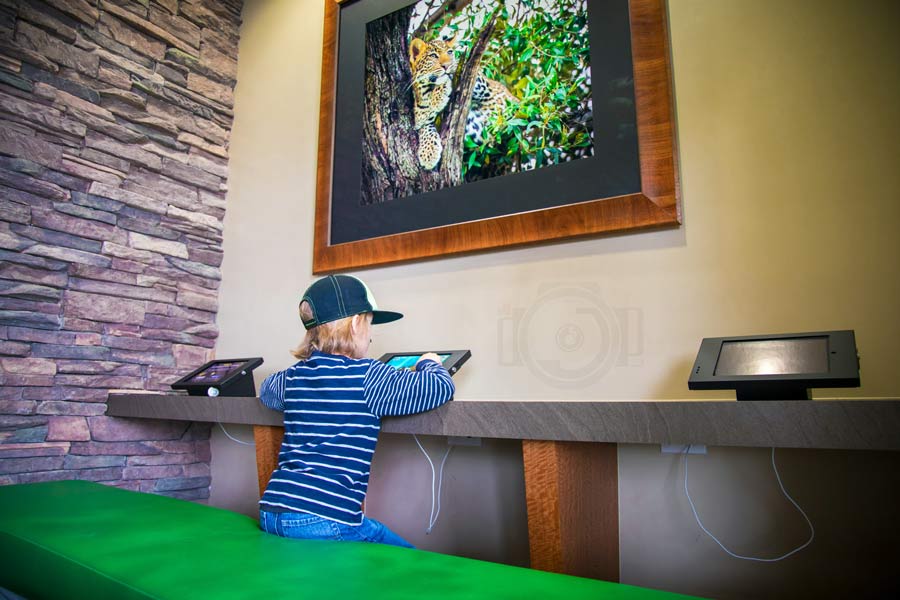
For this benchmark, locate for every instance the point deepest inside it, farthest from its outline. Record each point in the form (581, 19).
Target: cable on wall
(812, 531)
(435, 494)
(232, 438)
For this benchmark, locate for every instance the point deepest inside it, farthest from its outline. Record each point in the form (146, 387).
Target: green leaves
(542, 55)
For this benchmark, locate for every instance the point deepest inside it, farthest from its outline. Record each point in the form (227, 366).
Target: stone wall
(114, 127)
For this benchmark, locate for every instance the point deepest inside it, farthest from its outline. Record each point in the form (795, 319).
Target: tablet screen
(408, 361)
(773, 357)
(216, 372)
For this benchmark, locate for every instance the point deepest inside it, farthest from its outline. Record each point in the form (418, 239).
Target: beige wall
(789, 133)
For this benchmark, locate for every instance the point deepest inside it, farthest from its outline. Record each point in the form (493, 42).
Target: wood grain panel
(542, 503)
(589, 509)
(325, 163)
(655, 101)
(268, 442)
(571, 491)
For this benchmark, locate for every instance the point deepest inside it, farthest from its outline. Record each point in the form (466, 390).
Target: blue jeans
(311, 527)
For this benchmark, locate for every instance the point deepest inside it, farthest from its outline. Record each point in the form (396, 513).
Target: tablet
(451, 359)
(778, 366)
(226, 377)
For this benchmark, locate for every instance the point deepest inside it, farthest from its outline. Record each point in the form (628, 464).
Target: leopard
(489, 99)
(433, 66)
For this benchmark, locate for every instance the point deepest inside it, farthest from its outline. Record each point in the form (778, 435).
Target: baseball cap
(340, 296)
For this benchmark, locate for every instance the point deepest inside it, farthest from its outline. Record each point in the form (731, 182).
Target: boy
(333, 401)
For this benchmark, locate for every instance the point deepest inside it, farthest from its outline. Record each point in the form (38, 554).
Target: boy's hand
(429, 356)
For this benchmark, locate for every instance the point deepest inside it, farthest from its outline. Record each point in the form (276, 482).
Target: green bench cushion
(77, 539)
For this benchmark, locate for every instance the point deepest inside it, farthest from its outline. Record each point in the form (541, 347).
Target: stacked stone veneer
(114, 127)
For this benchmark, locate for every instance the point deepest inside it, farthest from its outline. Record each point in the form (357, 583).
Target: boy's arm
(392, 392)
(271, 393)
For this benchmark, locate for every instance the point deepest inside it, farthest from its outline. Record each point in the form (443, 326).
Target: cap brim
(384, 316)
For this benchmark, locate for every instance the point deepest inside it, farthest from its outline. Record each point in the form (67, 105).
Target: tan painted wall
(789, 131)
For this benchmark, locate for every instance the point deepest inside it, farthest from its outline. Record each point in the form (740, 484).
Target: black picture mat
(613, 170)
(452, 363)
(245, 365)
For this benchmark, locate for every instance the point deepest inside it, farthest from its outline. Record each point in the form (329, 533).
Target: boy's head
(337, 312)
(341, 296)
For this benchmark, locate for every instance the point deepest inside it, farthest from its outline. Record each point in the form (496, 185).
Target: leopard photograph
(485, 88)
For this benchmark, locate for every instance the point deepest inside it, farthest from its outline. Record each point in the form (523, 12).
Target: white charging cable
(812, 530)
(233, 439)
(435, 495)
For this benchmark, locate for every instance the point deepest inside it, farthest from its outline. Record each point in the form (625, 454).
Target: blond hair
(335, 337)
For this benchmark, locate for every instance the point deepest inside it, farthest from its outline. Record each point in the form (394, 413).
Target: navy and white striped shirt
(332, 415)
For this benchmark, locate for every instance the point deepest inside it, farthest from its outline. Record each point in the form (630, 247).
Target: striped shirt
(332, 415)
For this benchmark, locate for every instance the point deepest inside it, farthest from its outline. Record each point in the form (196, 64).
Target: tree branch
(449, 6)
(453, 127)
(390, 168)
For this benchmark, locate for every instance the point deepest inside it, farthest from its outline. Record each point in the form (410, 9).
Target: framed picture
(453, 126)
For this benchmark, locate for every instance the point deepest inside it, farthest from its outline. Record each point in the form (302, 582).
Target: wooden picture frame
(655, 205)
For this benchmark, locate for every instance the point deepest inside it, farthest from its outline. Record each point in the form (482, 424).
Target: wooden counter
(569, 449)
(837, 424)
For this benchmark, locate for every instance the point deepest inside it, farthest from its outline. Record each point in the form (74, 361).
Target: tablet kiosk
(224, 377)
(776, 367)
(451, 359)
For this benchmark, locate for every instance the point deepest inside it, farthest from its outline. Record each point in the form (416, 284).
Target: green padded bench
(76, 539)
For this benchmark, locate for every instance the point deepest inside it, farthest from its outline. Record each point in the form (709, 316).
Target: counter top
(838, 424)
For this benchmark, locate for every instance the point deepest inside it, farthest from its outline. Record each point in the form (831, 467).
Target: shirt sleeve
(393, 392)
(271, 393)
